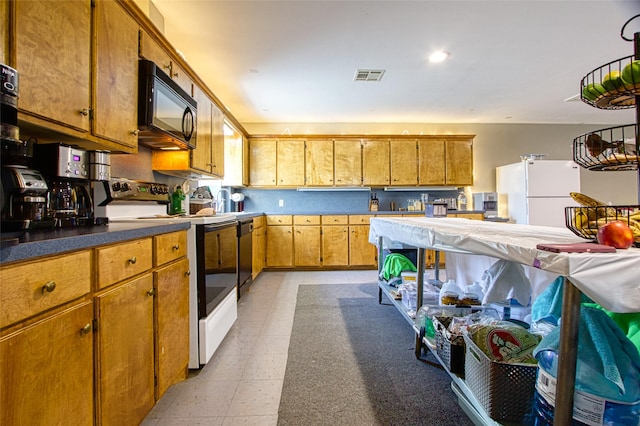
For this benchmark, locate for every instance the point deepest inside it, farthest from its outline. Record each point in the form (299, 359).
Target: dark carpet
(351, 362)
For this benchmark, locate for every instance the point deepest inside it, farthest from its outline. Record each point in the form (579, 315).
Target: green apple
(593, 91)
(612, 81)
(631, 73)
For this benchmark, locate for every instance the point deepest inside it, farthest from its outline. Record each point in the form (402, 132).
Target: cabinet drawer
(359, 219)
(121, 261)
(306, 220)
(341, 219)
(29, 288)
(170, 247)
(280, 219)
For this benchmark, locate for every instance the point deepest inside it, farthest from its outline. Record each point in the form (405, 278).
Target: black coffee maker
(66, 169)
(23, 189)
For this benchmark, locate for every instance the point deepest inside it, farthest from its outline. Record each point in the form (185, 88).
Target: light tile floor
(242, 383)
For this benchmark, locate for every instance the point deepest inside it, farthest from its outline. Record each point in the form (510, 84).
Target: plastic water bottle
(462, 201)
(593, 409)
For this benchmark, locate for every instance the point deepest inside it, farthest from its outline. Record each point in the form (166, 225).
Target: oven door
(216, 248)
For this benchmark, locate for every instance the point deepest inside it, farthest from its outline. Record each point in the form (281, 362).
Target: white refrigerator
(535, 192)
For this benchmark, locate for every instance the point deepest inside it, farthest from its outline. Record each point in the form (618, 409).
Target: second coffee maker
(66, 170)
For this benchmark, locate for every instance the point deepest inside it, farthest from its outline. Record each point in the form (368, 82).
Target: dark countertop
(389, 212)
(57, 241)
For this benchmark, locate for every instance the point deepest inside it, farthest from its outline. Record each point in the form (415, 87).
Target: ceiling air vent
(368, 75)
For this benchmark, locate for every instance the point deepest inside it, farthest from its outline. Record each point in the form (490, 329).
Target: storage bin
(450, 348)
(504, 390)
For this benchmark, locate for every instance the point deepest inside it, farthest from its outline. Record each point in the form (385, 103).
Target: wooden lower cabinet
(46, 371)
(280, 246)
(172, 325)
(307, 245)
(335, 245)
(124, 352)
(259, 246)
(361, 252)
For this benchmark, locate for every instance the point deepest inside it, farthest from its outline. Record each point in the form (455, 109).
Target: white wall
(494, 145)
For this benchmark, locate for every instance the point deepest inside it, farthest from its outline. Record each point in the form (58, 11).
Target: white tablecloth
(611, 279)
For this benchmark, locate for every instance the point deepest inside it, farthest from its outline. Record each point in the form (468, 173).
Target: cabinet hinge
(95, 325)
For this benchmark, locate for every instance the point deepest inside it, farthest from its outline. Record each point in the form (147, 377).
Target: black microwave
(166, 113)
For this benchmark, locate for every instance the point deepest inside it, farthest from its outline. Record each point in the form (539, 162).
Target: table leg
(568, 354)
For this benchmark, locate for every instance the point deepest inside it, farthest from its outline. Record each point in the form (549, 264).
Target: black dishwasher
(245, 228)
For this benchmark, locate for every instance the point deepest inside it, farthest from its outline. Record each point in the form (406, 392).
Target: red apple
(616, 234)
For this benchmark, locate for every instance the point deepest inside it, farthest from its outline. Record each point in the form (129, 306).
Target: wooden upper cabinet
(290, 162)
(319, 163)
(217, 141)
(431, 162)
(152, 50)
(375, 162)
(201, 154)
(116, 74)
(236, 159)
(348, 162)
(53, 57)
(404, 162)
(262, 162)
(459, 162)
(4, 36)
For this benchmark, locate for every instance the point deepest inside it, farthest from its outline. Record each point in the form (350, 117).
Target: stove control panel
(123, 189)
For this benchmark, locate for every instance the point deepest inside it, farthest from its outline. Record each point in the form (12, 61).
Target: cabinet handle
(176, 247)
(49, 287)
(86, 329)
(188, 273)
(133, 260)
(84, 111)
(151, 292)
(135, 132)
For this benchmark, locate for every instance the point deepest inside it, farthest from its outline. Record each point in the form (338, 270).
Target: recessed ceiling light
(438, 56)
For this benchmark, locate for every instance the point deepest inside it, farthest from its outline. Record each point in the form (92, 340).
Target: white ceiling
(294, 61)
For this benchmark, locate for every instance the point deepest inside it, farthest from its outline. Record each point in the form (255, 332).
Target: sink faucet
(220, 202)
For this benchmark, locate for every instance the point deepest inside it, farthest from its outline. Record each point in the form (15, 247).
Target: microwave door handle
(188, 125)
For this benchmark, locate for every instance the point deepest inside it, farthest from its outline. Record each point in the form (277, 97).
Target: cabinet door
(431, 162)
(290, 162)
(258, 241)
(306, 245)
(116, 75)
(348, 162)
(375, 162)
(172, 325)
(335, 245)
(125, 370)
(47, 371)
(217, 141)
(53, 57)
(319, 163)
(279, 246)
(262, 160)
(151, 49)
(236, 160)
(459, 159)
(201, 154)
(404, 162)
(361, 252)
(4, 36)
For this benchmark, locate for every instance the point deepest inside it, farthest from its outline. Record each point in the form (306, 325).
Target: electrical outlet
(280, 203)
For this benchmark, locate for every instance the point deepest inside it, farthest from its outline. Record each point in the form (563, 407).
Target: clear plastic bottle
(462, 201)
(593, 406)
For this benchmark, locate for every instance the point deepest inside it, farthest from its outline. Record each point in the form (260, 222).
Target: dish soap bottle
(462, 201)
(177, 197)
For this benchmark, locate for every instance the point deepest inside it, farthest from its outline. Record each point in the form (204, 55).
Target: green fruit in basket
(631, 73)
(612, 81)
(593, 91)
